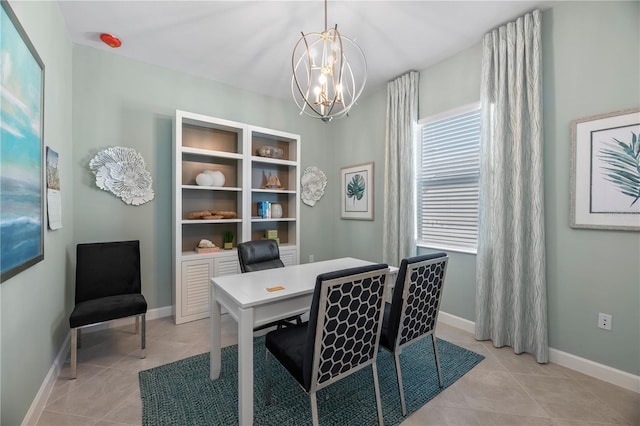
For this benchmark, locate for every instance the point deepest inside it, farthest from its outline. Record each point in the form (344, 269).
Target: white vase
(218, 177)
(276, 210)
(204, 179)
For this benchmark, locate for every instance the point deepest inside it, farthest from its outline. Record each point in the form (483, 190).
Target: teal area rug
(181, 393)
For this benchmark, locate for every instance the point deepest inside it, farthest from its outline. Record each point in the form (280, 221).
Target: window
(447, 180)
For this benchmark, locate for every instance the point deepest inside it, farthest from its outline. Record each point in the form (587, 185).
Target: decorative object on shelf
(270, 152)
(204, 179)
(273, 182)
(225, 214)
(276, 210)
(271, 234)
(264, 209)
(228, 240)
(326, 87)
(605, 171)
(122, 171)
(313, 183)
(206, 246)
(357, 192)
(211, 215)
(21, 169)
(210, 178)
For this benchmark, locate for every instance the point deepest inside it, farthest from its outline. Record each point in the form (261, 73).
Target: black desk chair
(259, 255)
(108, 287)
(346, 310)
(413, 311)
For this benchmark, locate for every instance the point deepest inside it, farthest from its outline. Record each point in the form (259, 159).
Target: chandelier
(329, 73)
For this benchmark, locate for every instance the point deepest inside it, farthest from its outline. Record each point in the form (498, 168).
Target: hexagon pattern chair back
(341, 336)
(413, 311)
(108, 287)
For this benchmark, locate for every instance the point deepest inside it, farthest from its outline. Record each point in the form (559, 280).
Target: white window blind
(448, 178)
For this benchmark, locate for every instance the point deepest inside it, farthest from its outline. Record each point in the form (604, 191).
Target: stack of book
(271, 234)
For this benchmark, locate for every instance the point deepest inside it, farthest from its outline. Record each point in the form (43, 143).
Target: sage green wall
(591, 65)
(121, 102)
(591, 55)
(34, 303)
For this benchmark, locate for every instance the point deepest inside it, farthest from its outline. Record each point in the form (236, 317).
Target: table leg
(216, 336)
(245, 367)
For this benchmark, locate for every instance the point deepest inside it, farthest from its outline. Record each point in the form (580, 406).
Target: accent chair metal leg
(314, 408)
(376, 387)
(267, 378)
(137, 324)
(435, 353)
(143, 335)
(396, 357)
(74, 351)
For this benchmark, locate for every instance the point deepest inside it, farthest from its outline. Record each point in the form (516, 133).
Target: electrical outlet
(604, 321)
(311, 258)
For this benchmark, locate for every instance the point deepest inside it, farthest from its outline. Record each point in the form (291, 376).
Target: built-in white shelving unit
(207, 143)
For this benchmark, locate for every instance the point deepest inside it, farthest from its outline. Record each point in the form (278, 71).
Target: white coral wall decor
(313, 183)
(123, 172)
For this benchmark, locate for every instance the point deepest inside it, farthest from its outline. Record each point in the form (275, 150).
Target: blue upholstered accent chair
(108, 287)
(413, 311)
(341, 336)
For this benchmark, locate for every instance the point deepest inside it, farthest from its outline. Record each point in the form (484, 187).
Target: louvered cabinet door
(227, 265)
(196, 275)
(289, 255)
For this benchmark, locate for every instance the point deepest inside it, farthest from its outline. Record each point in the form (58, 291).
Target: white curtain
(511, 305)
(399, 185)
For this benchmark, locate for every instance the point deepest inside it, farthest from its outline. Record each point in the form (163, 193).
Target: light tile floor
(504, 389)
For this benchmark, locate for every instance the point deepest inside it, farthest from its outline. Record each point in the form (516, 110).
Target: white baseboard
(47, 385)
(593, 369)
(39, 402)
(582, 365)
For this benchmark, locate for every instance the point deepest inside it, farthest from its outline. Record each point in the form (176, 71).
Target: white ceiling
(248, 44)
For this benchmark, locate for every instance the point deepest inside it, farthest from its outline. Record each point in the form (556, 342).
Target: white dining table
(247, 300)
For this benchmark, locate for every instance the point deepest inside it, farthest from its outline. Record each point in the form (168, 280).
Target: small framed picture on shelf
(605, 171)
(357, 192)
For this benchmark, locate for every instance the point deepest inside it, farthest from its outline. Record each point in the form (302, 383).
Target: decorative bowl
(270, 151)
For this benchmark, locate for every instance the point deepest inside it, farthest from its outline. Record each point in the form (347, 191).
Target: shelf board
(266, 160)
(198, 221)
(280, 219)
(212, 188)
(211, 153)
(192, 253)
(274, 191)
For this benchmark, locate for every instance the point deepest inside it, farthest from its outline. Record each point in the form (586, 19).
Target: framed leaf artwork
(605, 171)
(21, 150)
(357, 192)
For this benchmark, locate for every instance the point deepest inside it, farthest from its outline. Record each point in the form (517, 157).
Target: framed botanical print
(605, 171)
(357, 192)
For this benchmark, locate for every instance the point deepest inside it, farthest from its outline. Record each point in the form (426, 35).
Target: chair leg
(376, 387)
(143, 335)
(137, 324)
(267, 378)
(396, 357)
(435, 353)
(74, 351)
(314, 408)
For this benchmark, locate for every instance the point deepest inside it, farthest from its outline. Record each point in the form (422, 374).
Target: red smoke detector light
(112, 41)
